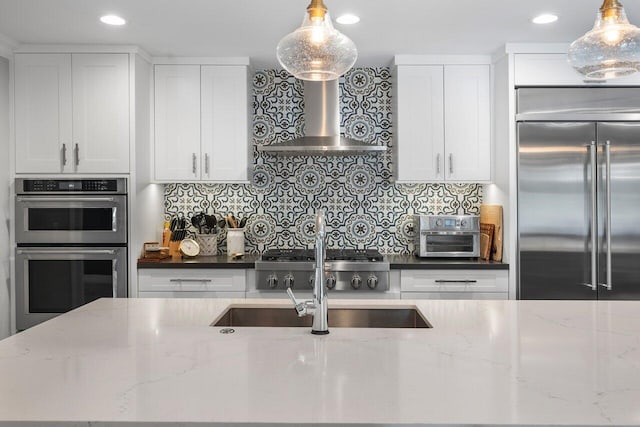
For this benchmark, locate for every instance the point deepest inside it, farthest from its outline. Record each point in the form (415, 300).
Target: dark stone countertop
(218, 261)
(398, 262)
(412, 262)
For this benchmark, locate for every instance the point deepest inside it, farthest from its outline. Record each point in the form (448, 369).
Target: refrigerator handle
(594, 219)
(607, 153)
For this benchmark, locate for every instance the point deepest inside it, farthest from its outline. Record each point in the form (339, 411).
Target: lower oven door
(51, 281)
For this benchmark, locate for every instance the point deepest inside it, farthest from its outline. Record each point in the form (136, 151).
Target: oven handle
(115, 277)
(66, 252)
(65, 199)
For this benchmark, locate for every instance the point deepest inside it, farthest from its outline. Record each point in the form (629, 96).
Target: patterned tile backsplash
(364, 208)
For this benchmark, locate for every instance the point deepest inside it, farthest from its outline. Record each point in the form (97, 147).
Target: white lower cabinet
(192, 283)
(454, 284)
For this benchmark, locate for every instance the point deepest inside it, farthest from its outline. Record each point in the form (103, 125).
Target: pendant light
(611, 49)
(316, 51)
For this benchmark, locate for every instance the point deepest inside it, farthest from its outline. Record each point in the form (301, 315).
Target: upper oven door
(80, 219)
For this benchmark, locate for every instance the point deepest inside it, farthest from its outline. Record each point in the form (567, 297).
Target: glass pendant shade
(611, 49)
(316, 51)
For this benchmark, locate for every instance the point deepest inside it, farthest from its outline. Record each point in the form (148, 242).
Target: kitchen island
(120, 361)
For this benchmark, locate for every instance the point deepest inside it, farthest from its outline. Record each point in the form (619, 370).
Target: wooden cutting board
(486, 240)
(492, 214)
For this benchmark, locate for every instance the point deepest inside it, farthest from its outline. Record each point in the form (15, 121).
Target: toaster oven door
(449, 244)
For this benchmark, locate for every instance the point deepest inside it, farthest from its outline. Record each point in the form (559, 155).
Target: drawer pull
(191, 280)
(456, 281)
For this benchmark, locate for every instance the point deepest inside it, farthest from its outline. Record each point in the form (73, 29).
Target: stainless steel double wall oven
(71, 237)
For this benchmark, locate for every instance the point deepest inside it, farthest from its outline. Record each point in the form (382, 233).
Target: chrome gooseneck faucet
(318, 307)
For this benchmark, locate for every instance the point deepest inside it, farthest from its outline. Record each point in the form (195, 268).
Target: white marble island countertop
(483, 363)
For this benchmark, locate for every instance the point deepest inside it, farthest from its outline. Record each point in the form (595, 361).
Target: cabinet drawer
(456, 295)
(453, 281)
(196, 294)
(191, 280)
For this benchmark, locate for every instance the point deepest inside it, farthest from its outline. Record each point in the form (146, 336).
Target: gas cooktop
(366, 255)
(363, 270)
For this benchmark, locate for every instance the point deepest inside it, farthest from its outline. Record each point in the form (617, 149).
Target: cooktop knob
(439, 222)
(331, 282)
(372, 282)
(288, 281)
(463, 223)
(272, 281)
(356, 281)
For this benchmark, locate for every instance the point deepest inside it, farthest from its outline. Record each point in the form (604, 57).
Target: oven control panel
(469, 223)
(30, 186)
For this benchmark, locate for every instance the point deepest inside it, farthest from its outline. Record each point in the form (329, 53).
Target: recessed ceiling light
(112, 20)
(347, 19)
(545, 18)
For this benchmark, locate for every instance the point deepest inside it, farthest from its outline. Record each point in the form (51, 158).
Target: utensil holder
(174, 249)
(235, 241)
(208, 244)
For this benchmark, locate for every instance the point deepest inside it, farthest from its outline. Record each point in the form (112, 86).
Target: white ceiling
(253, 28)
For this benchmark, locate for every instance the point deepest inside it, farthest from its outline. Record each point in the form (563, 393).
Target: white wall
(501, 192)
(148, 201)
(5, 306)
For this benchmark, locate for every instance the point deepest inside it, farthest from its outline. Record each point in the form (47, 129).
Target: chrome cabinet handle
(193, 165)
(206, 163)
(438, 164)
(190, 280)
(64, 154)
(594, 218)
(450, 164)
(456, 281)
(77, 154)
(607, 153)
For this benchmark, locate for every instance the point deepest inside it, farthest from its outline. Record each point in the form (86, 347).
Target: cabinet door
(101, 113)
(177, 122)
(553, 69)
(43, 113)
(224, 123)
(467, 122)
(419, 124)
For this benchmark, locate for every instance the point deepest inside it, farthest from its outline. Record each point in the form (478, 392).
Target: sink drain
(227, 330)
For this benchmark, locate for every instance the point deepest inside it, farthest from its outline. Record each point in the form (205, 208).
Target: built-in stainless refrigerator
(579, 193)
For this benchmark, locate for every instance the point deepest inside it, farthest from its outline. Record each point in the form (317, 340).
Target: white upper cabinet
(72, 113)
(442, 123)
(467, 112)
(101, 112)
(225, 148)
(201, 123)
(420, 123)
(43, 113)
(553, 69)
(177, 122)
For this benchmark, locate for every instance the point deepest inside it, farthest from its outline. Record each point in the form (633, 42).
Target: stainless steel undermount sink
(338, 318)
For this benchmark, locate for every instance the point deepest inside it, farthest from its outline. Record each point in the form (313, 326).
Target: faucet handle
(301, 307)
(292, 297)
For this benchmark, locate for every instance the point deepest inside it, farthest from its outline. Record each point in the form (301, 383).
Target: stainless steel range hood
(322, 123)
